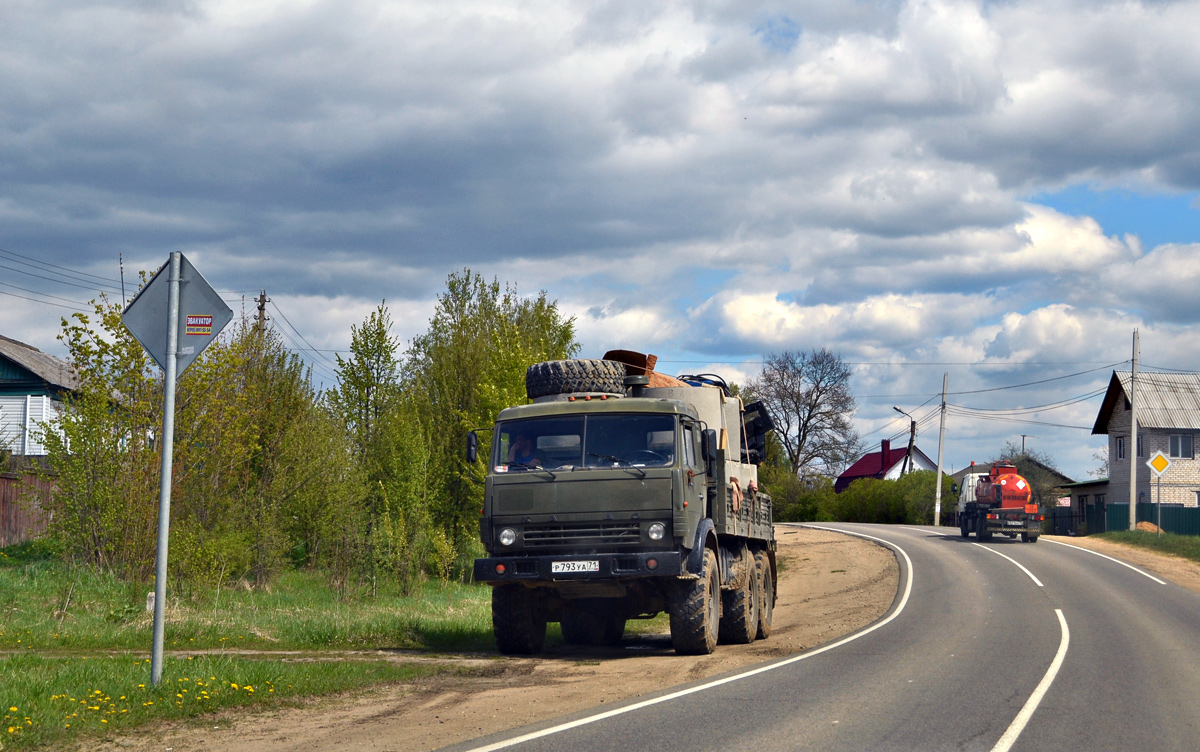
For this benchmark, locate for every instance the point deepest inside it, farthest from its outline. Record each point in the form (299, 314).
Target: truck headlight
(656, 531)
(508, 536)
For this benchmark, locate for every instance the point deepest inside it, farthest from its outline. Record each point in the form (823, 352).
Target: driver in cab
(524, 451)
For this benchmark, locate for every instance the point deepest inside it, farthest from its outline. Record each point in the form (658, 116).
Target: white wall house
(32, 385)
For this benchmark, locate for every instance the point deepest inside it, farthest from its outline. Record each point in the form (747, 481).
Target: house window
(1141, 448)
(1181, 446)
(1100, 499)
(1120, 447)
(1083, 500)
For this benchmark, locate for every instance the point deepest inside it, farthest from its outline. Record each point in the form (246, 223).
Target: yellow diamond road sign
(1159, 463)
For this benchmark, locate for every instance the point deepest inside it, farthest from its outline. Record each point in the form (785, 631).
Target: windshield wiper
(618, 461)
(527, 466)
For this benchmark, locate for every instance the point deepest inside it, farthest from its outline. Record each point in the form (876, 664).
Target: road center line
(994, 551)
(1122, 563)
(1014, 561)
(728, 679)
(1018, 725)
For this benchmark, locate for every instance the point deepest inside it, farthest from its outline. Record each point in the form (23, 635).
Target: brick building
(1168, 406)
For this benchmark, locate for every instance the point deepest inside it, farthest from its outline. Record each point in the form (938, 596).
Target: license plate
(563, 567)
(1014, 523)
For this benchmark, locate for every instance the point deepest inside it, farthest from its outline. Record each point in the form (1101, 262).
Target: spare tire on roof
(568, 376)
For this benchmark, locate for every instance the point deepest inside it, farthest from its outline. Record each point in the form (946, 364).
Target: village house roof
(55, 373)
(876, 464)
(1164, 400)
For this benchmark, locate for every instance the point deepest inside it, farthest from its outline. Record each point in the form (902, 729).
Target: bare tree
(808, 396)
(1100, 456)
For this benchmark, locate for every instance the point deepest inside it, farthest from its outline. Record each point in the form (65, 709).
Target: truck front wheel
(695, 610)
(518, 620)
(963, 528)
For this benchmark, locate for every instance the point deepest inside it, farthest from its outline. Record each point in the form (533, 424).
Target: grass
(55, 700)
(75, 645)
(1185, 546)
(46, 605)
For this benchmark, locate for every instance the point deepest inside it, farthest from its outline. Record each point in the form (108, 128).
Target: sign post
(182, 288)
(1159, 464)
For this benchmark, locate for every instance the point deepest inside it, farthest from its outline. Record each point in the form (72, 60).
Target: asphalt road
(995, 646)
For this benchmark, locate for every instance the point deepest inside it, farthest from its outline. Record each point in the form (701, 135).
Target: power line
(301, 336)
(38, 263)
(1035, 383)
(43, 302)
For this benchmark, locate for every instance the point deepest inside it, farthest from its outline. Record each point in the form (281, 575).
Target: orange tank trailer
(1004, 488)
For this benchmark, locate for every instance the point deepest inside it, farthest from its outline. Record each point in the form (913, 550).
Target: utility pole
(937, 492)
(262, 308)
(912, 438)
(1023, 437)
(1133, 436)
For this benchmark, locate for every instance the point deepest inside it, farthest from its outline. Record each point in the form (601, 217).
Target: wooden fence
(21, 518)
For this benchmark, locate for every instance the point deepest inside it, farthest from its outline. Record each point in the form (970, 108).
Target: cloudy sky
(1000, 191)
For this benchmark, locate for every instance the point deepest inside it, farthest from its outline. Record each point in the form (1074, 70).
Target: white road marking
(1018, 725)
(992, 550)
(1122, 563)
(1014, 561)
(692, 690)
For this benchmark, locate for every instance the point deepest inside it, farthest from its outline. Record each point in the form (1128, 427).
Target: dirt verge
(829, 585)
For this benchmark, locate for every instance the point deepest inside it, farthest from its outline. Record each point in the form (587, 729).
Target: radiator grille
(582, 535)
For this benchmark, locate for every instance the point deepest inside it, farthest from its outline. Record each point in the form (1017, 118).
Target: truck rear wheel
(695, 610)
(1027, 538)
(518, 620)
(739, 612)
(567, 376)
(762, 563)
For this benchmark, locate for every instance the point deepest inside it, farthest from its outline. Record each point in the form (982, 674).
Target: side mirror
(708, 445)
(953, 488)
(472, 447)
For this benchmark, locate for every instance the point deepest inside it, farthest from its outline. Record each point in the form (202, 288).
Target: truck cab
(601, 507)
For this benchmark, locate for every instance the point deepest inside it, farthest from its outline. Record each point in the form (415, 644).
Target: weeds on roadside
(51, 700)
(1186, 546)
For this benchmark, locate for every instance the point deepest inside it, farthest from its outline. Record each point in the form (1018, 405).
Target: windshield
(585, 441)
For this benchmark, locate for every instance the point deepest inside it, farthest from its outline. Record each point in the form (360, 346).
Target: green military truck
(621, 493)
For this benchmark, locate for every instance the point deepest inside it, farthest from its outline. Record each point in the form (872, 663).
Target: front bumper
(607, 566)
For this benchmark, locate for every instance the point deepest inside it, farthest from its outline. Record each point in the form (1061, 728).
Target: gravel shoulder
(829, 585)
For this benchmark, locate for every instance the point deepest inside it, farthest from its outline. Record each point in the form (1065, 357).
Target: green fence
(1180, 520)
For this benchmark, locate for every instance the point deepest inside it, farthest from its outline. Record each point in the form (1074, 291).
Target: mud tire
(963, 529)
(739, 612)
(766, 606)
(568, 376)
(695, 610)
(1027, 538)
(518, 620)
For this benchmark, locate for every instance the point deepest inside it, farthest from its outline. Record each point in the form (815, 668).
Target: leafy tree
(463, 370)
(102, 453)
(368, 381)
(808, 396)
(242, 409)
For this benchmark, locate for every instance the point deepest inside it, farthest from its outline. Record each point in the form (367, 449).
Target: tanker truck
(998, 501)
(620, 493)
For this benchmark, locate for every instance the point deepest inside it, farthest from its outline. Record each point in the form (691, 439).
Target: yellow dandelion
(13, 709)
(233, 685)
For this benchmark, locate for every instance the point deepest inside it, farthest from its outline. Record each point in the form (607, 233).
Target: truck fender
(706, 537)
